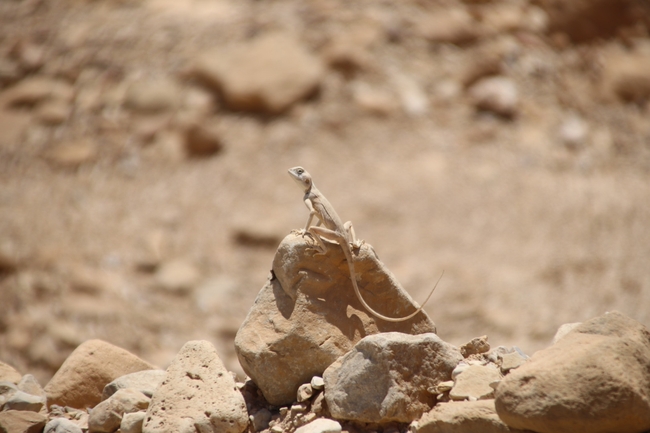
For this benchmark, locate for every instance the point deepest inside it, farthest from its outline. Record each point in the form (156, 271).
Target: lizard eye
(300, 171)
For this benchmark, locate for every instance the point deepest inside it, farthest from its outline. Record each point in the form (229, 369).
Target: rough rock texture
(132, 422)
(463, 417)
(595, 379)
(321, 425)
(106, 417)
(308, 316)
(389, 377)
(267, 74)
(21, 421)
(474, 383)
(198, 394)
(145, 381)
(82, 377)
(62, 425)
(8, 373)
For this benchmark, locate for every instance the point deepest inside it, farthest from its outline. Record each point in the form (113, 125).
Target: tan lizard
(336, 231)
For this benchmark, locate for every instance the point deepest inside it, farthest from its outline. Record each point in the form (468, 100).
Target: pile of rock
(318, 363)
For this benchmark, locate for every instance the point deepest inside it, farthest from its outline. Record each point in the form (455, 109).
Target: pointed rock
(198, 394)
(308, 315)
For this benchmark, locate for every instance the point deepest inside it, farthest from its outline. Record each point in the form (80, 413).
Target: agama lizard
(336, 231)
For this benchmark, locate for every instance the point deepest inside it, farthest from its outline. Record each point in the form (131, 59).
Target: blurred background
(144, 148)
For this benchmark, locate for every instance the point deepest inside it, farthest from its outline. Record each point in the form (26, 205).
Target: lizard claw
(357, 244)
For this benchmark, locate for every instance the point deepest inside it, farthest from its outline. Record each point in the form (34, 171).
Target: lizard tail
(373, 312)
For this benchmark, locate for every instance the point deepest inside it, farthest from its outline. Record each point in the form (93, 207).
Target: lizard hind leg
(352, 238)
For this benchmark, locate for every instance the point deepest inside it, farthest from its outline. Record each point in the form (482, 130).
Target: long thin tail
(367, 307)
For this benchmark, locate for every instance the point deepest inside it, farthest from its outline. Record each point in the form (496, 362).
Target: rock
(36, 89)
(625, 76)
(7, 390)
(317, 382)
(475, 346)
(454, 25)
(305, 391)
(389, 377)
(573, 131)
(202, 140)
(62, 425)
(198, 394)
(132, 422)
(21, 400)
(512, 360)
(564, 330)
(84, 374)
(463, 417)
(53, 113)
(496, 94)
(474, 383)
(177, 276)
(21, 421)
(308, 316)
(145, 381)
(321, 425)
(260, 419)
(106, 417)
(72, 154)
(72, 415)
(268, 74)
(153, 96)
(9, 374)
(30, 385)
(593, 380)
(372, 99)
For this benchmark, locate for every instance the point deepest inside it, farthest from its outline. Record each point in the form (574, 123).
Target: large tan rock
(8, 373)
(594, 380)
(81, 379)
(463, 417)
(198, 394)
(21, 421)
(267, 74)
(308, 315)
(389, 377)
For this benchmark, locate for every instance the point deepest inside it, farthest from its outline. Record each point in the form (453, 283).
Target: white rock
(146, 381)
(564, 330)
(496, 94)
(474, 383)
(317, 382)
(62, 425)
(321, 425)
(132, 422)
(20, 400)
(305, 391)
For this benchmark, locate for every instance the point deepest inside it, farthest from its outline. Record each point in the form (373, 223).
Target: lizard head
(301, 176)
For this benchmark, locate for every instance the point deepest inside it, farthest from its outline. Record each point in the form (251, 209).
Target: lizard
(335, 230)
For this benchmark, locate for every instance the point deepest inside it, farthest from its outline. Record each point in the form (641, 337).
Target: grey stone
(107, 415)
(388, 377)
(20, 400)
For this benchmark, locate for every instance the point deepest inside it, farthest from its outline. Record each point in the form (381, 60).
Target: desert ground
(504, 142)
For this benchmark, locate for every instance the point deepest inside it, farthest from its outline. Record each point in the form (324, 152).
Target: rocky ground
(144, 148)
